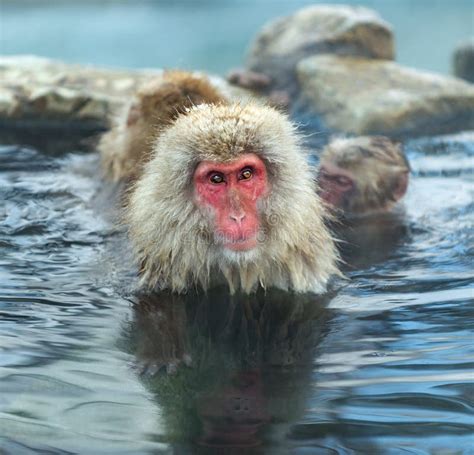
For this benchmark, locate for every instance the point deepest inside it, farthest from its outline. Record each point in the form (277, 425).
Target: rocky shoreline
(335, 63)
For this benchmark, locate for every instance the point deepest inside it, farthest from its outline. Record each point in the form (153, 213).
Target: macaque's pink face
(335, 184)
(231, 192)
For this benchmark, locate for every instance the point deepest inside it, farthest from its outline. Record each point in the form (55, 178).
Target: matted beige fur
(173, 238)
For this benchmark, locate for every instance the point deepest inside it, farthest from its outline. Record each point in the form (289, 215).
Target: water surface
(384, 365)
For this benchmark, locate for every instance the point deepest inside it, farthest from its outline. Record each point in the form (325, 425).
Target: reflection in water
(223, 369)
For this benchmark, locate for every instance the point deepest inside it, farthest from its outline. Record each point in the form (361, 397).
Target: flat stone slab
(365, 96)
(46, 93)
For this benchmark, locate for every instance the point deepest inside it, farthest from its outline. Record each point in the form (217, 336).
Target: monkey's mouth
(242, 244)
(239, 243)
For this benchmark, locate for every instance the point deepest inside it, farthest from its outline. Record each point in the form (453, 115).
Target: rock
(8, 101)
(363, 96)
(42, 93)
(463, 61)
(337, 29)
(249, 79)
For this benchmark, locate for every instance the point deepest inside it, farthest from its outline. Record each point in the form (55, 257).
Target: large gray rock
(38, 92)
(364, 96)
(463, 61)
(337, 29)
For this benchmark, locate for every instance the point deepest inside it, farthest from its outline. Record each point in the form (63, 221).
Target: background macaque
(228, 196)
(128, 144)
(363, 175)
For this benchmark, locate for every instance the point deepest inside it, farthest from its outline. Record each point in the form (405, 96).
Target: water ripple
(385, 367)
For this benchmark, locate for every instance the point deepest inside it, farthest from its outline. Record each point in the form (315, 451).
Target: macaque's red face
(335, 184)
(231, 192)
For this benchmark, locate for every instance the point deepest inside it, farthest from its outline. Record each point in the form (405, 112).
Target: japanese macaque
(363, 175)
(228, 196)
(127, 146)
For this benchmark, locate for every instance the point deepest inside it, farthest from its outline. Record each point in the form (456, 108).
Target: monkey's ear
(401, 186)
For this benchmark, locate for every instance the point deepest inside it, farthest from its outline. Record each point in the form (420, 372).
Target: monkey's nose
(237, 217)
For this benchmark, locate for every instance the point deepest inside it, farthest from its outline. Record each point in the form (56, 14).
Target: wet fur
(376, 164)
(173, 238)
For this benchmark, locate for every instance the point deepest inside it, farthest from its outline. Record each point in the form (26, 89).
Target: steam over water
(382, 366)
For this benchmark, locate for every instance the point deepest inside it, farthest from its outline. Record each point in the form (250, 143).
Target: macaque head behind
(160, 101)
(363, 175)
(128, 145)
(228, 196)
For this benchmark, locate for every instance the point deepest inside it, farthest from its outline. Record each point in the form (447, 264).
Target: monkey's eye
(246, 174)
(216, 178)
(340, 180)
